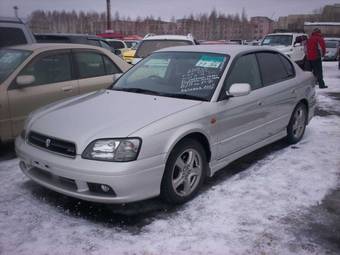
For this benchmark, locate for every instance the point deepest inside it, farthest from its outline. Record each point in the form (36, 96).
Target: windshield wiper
(185, 96)
(138, 90)
(164, 94)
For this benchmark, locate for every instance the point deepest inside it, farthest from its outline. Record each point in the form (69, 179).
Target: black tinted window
(49, 69)
(52, 39)
(146, 47)
(116, 44)
(110, 67)
(289, 67)
(11, 36)
(93, 42)
(90, 64)
(272, 68)
(245, 70)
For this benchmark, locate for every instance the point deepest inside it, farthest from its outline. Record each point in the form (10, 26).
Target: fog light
(105, 188)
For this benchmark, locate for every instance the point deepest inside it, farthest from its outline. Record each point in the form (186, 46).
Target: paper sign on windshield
(210, 61)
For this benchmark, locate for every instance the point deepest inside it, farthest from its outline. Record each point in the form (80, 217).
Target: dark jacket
(316, 47)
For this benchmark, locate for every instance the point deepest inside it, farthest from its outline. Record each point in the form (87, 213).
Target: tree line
(209, 26)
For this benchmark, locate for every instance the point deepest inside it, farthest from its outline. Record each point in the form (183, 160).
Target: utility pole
(16, 8)
(108, 14)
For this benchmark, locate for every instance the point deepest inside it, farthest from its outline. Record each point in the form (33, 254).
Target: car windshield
(188, 75)
(9, 60)
(275, 40)
(146, 47)
(331, 44)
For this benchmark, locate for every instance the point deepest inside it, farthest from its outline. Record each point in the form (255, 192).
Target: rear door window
(272, 68)
(90, 64)
(11, 36)
(288, 65)
(110, 67)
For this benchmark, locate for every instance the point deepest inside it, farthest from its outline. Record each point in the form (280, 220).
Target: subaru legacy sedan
(175, 118)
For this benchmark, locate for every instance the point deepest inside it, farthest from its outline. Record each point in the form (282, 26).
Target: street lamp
(16, 8)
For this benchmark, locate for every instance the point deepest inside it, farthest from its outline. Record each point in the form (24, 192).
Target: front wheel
(184, 173)
(297, 124)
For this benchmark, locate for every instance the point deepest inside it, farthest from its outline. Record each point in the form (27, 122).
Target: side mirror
(116, 76)
(117, 52)
(239, 89)
(24, 80)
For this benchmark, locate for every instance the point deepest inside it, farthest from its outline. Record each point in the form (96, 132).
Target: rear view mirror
(24, 80)
(239, 89)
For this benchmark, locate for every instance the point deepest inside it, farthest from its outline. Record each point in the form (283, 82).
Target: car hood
(105, 114)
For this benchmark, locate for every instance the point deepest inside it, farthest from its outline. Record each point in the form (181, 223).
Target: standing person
(316, 49)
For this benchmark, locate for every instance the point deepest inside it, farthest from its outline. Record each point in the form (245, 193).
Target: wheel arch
(305, 102)
(197, 135)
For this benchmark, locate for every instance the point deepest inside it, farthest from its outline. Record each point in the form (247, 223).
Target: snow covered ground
(250, 211)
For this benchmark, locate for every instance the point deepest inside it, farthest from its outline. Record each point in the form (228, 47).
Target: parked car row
(34, 75)
(120, 134)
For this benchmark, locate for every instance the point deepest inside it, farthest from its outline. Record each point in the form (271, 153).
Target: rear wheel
(184, 173)
(297, 124)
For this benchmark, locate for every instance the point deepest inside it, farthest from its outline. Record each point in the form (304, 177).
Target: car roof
(52, 46)
(231, 50)
(68, 35)
(113, 40)
(168, 37)
(11, 20)
(332, 38)
(287, 33)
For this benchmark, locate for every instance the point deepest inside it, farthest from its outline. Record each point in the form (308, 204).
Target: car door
(299, 48)
(240, 119)
(53, 80)
(95, 70)
(279, 90)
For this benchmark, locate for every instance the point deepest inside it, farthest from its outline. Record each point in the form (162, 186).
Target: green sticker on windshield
(210, 61)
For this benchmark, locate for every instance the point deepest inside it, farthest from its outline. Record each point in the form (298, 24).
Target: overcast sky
(168, 8)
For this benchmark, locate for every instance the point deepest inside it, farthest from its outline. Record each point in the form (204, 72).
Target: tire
(185, 171)
(297, 124)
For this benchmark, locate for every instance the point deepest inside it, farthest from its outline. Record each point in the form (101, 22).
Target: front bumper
(130, 181)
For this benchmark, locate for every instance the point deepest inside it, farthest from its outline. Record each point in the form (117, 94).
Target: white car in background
(332, 49)
(291, 44)
(152, 43)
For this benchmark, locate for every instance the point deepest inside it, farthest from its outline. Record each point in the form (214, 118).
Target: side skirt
(219, 164)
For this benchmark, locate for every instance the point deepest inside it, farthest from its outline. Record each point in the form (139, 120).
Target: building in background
(328, 29)
(261, 26)
(296, 22)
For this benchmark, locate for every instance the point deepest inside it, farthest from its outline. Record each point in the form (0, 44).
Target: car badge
(47, 143)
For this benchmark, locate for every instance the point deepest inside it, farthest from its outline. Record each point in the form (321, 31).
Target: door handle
(68, 88)
(293, 91)
(259, 103)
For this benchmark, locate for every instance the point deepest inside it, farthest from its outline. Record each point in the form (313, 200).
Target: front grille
(52, 144)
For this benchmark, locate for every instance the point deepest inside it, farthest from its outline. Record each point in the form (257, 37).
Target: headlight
(121, 150)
